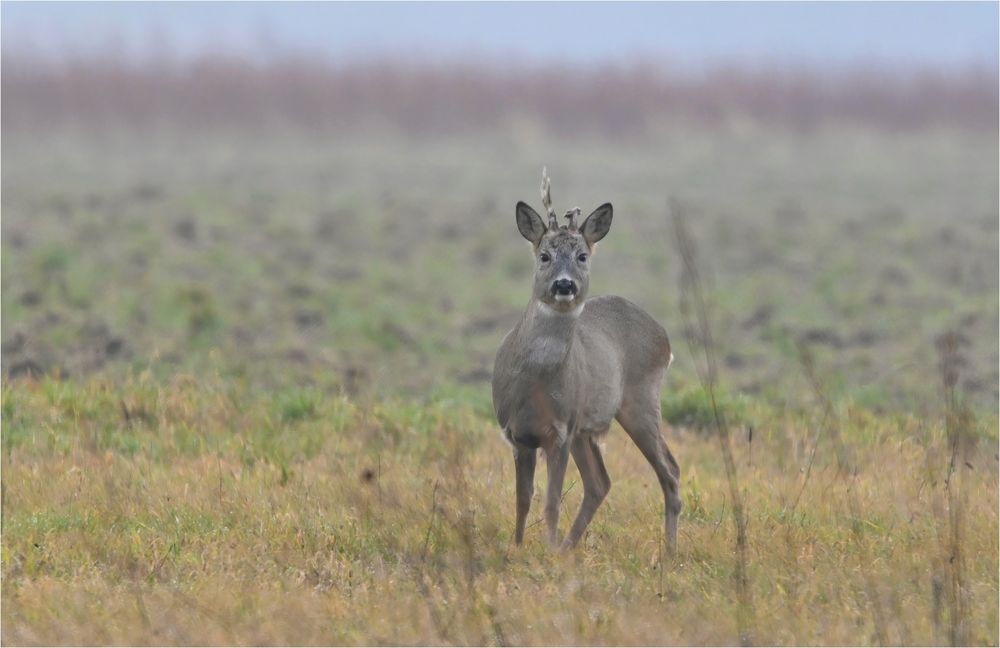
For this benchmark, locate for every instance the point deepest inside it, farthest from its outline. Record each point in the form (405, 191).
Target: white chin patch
(565, 298)
(553, 310)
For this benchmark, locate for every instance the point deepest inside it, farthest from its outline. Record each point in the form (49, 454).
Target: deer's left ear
(597, 224)
(529, 223)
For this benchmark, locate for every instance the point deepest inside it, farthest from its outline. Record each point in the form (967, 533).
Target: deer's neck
(549, 335)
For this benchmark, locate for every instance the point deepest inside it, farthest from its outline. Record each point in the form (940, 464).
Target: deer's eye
(582, 258)
(544, 257)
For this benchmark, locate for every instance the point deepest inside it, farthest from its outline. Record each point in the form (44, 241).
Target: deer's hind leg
(641, 420)
(596, 484)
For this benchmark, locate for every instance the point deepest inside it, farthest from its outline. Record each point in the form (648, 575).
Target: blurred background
(323, 194)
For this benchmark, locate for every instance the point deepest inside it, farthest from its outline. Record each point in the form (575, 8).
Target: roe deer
(570, 366)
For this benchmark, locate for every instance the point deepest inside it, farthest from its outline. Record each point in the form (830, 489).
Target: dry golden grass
(212, 515)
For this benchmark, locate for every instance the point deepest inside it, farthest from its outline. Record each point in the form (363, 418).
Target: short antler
(547, 199)
(572, 215)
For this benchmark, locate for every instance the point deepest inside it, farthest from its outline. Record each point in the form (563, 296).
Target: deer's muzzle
(564, 288)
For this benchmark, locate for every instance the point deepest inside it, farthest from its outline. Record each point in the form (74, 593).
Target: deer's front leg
(524, 468)
(558, 457)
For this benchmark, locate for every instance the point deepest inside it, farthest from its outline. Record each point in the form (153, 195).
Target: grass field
(246, 383)
(196, 512)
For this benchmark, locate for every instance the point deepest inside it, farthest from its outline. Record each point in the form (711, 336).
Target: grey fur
(570, 367)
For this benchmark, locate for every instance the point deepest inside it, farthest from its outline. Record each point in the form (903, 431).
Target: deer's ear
(597, 224)
(529, 223)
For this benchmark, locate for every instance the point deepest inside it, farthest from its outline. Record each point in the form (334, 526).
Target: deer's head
(562, 254)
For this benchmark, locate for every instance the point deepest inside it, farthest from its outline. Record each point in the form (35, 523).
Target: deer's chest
(578, 395)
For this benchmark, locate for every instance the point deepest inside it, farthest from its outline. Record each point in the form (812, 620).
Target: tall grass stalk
(957, 424)
(697, 328)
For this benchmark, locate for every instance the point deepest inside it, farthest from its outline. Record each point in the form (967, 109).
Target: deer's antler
(547, 199)
(572, 215)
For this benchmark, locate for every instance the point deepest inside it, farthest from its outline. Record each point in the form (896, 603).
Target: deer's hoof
(566, 546)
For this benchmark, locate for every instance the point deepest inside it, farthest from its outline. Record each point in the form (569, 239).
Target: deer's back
(640, 341)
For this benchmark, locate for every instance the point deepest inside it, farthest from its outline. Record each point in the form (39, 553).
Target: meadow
(246, 358)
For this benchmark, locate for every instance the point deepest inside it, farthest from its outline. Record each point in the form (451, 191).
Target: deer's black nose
(564, 287)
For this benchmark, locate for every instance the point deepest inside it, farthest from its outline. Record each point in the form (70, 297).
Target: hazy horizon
(684, 35)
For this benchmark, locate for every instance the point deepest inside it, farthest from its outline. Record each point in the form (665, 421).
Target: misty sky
(891, 33)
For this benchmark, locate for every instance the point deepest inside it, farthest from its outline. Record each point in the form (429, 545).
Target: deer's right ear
(597, 224)
(529, 223)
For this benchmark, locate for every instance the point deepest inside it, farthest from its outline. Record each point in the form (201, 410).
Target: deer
(570, 366)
